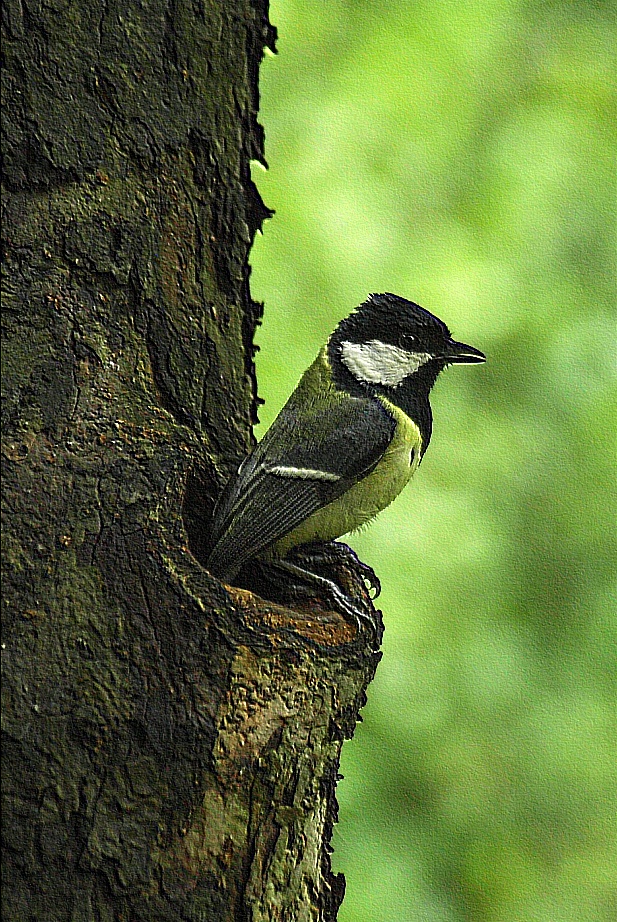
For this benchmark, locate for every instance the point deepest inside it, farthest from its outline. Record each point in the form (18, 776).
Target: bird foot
(333, 554)
(316, 572)
(304, 583)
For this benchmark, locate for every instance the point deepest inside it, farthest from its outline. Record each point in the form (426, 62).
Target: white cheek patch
(381, 363)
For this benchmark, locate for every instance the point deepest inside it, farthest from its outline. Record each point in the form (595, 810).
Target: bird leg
(294, 579)
(305, 582)
(329, 555)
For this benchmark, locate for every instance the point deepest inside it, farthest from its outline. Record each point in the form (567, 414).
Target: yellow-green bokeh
(463, 155)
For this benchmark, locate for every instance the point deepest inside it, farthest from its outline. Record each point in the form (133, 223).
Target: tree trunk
(170, 744)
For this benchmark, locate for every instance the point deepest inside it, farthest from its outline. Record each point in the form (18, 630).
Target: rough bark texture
(170, 744)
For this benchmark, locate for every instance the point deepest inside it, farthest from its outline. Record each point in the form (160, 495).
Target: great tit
(342, 448)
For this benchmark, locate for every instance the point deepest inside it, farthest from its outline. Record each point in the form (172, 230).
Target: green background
(462, 155)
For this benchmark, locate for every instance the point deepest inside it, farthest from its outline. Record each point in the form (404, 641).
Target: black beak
(463, 355)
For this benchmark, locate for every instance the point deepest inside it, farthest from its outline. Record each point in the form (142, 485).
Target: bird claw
(311, 570)
(362, 618)
(370, 578)
(336, 552)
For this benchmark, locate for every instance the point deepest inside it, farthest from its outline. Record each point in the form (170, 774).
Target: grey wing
(280, 484)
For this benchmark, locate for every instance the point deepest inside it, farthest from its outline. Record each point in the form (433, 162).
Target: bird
(348, 440)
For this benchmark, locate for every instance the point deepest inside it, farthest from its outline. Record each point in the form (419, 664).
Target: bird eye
(407, 340)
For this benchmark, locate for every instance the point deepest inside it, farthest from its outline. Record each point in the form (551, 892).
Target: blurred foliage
(462, 155)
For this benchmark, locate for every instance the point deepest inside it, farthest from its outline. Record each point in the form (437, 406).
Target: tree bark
(170, 744)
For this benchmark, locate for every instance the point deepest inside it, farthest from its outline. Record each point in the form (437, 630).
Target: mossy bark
(170, 744)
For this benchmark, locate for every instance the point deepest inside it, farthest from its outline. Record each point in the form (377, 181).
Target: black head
(388, 339)
(393, 347)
